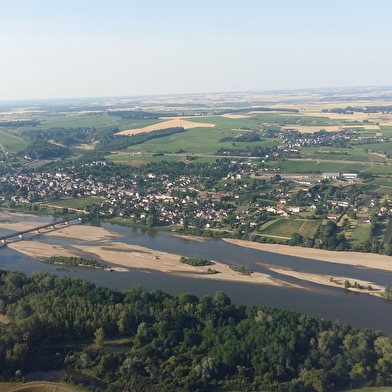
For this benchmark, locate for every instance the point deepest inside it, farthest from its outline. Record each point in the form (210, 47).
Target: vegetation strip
(73, 261)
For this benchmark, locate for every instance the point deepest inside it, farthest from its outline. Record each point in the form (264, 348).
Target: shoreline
(356, 259)
(122, 257)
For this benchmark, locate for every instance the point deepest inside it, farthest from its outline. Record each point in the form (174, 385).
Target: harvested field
(85, 147)
(178, 122)
(234, 116)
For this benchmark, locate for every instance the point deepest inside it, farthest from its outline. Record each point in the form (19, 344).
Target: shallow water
(336, 304)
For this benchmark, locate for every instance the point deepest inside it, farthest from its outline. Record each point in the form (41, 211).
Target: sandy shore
(8, 215)
(85, 233)
(133, 256)
(363, 260)
(121, 257)
(97, 242)
(338, 281)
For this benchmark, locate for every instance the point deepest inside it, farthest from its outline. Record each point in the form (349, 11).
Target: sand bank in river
(357, 259)
(337, 281)
(97, 242)
(129, 256)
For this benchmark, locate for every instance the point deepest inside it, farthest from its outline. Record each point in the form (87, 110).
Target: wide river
(336, 304)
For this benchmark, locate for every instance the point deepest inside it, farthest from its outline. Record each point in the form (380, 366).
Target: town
(235, 198)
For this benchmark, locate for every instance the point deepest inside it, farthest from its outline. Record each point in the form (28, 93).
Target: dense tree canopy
(181, 342)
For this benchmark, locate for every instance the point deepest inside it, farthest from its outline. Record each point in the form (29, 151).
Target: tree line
(179, 342)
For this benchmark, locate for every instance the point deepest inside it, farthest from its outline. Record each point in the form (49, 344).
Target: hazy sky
(67, 48)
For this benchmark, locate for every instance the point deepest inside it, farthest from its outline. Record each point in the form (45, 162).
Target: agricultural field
(203, 141)
(382, 147)
(316, 166)
(136, 160)
(285, 227)
(10, 142)
(78, 203)
(99, 121)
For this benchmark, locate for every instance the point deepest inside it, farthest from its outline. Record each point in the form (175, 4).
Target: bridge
(37, 229)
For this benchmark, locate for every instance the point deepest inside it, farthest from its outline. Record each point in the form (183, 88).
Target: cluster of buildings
(181, 200)
(293, 139)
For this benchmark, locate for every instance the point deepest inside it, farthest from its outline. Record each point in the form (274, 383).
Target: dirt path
(37, 387)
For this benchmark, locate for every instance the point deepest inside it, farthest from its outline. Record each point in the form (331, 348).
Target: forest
(178, 342)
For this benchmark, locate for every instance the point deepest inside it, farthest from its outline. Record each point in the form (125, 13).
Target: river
(336, 304)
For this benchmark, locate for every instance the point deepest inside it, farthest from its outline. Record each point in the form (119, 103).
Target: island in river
(98, 242)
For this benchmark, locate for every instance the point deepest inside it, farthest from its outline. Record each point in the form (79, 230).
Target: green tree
(99, 336)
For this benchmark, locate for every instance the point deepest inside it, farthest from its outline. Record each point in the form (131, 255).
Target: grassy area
(358, 233)
(78, 203)
(11, 143)
(379, 169)
(98, 121)
(284, 227)
(126, 158)
(381, 146)
(195, 141)
(312, 166)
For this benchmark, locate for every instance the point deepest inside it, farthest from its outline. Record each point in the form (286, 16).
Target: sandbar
(5, 214)
(357, 259)
(98, 242)
(134, 256)
(79, 232)
(337, 281)
(122, 257)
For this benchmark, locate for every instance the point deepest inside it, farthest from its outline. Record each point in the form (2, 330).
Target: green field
(284, 227)
(313, 166)
(379, 169)
(78, 203)
(126, 158)
(380, 147)
(10, 142)
(359, 234)
(204, 142)
(98, 121)
(195, 141)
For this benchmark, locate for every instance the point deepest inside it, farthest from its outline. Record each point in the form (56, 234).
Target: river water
(336, 304)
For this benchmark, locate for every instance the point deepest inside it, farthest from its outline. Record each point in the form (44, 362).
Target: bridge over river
(36, 229)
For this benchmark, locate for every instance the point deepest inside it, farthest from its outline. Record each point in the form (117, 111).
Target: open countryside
(302, 179)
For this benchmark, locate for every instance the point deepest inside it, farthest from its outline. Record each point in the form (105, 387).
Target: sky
(97, 48)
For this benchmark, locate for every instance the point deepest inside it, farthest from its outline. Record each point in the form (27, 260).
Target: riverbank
(122, 257)
(97, 242)
(357, 259)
